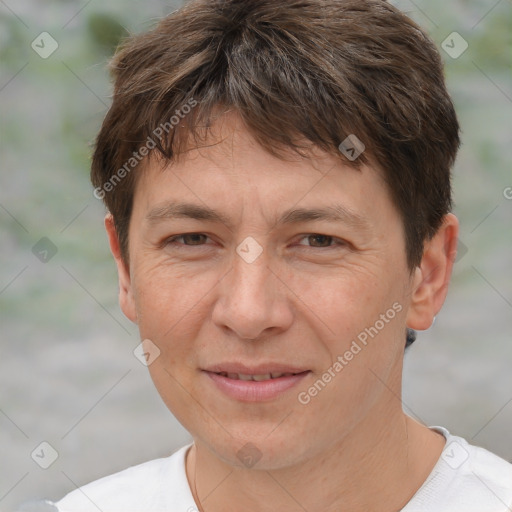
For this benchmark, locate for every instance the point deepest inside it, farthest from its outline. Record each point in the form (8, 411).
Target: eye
(314, 240)
(188, 239)
(319, 241)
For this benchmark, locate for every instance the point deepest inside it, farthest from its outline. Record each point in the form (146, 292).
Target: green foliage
(105, 31)
(492, 42)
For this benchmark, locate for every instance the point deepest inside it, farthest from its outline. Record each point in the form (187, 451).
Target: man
(277, 178)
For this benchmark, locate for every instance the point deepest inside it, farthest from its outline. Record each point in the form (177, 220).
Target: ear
(125, 286)
(432, 276)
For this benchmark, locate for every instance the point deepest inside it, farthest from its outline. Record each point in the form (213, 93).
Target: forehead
(231, 168)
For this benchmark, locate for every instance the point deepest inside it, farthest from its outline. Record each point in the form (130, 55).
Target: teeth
(257, 378)
(265, 376)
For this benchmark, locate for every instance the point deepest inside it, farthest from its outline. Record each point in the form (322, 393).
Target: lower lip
(255, 391)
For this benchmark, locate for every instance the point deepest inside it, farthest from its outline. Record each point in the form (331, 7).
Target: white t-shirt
(465, 479)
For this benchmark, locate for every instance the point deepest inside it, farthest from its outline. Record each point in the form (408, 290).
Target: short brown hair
(294, 70)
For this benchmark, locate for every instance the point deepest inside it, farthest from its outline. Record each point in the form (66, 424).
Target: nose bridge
(251, 279)
(250, 300)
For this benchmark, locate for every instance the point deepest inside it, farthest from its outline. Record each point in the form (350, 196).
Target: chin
(260, 450)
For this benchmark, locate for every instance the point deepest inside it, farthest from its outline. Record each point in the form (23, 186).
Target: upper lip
(260, 369)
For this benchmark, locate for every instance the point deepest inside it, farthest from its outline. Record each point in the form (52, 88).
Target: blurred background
(68, 375)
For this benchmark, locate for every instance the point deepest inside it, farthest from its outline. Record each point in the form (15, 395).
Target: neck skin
(379, 465)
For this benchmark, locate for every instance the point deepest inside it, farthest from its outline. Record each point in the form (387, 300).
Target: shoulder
(466, 478)
(151, 486)
(486, 474)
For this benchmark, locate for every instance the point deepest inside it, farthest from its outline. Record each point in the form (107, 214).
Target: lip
(259, 369)
(255, 391)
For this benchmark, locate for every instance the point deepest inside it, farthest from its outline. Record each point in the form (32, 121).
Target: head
(308, 145)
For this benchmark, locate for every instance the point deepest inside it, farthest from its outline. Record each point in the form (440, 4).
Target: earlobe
(432, 277)
(126, 300)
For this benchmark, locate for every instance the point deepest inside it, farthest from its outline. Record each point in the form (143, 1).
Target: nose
(253, 302)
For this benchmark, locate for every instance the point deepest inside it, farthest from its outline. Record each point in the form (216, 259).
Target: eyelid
(172, 239)
(336, 242)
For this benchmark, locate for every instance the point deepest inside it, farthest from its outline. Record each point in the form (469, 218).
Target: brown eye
(188, 239)
(194, 238)
(320, 240)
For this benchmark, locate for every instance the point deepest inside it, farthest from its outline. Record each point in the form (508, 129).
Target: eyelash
(336, 241)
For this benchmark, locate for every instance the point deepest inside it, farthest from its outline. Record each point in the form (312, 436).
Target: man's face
(268, 291)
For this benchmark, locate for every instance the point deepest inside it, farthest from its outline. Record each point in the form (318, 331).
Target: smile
(257, 378)
(254, 387)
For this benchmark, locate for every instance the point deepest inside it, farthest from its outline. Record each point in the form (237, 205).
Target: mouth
(255, 385)
(257, 378)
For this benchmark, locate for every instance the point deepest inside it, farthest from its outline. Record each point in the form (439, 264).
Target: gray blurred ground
(67, 372)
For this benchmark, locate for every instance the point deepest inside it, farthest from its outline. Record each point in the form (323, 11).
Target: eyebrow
(335, 213)
(178, 210)
(175, 210)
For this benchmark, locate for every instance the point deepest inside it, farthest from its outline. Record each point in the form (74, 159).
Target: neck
(379, 465)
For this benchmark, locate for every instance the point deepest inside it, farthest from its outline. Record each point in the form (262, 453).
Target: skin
(302, 302)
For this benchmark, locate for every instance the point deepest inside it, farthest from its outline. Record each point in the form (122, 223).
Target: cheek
(347, 299)
(171, 310)
(367, 316)
(364, 311)
(168, 302)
